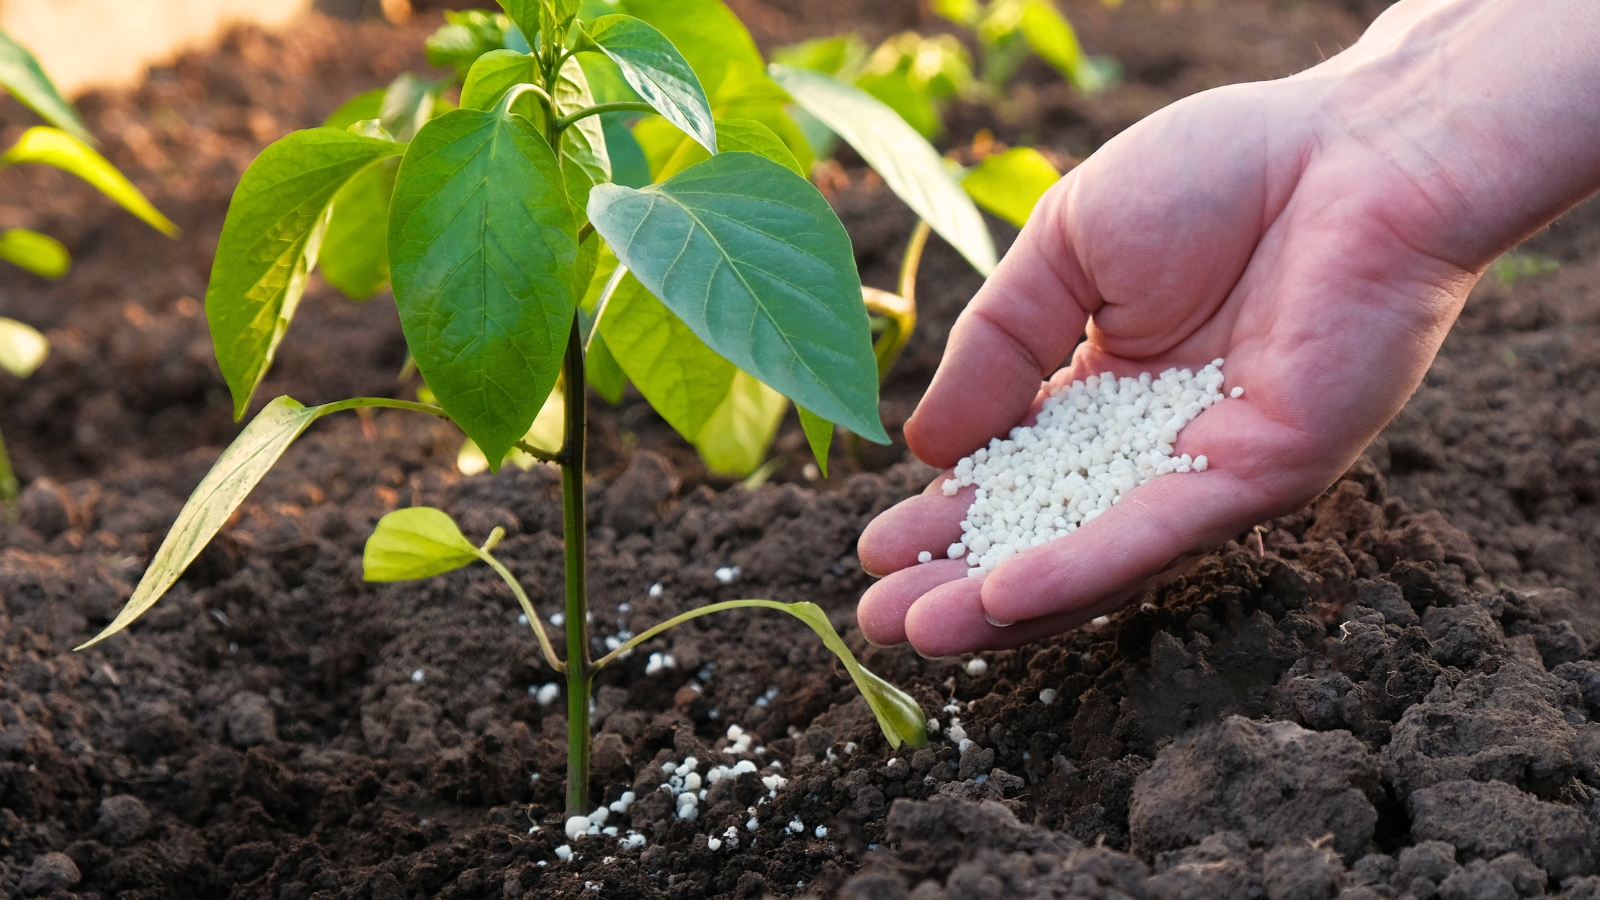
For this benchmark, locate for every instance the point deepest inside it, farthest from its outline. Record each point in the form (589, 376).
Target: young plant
(64, 144)
(1008, 31)
(501, 221)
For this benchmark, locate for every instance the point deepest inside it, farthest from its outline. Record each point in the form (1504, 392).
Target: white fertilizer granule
(1094, 441)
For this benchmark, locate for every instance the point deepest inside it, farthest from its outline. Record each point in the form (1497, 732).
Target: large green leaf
(751, 257)
(419, 542)
(54, 147)
(355, 249)
(655, 69)
(1010, 184)
(21, 74)
(628, 164)
(683, 379)
(735, 439)
(482, 245)
(907, 162)
(22, 348)
(269, 245)
(495, 73)
(230, 480)
(40, 254)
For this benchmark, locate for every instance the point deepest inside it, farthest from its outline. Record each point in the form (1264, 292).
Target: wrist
(1478, 119)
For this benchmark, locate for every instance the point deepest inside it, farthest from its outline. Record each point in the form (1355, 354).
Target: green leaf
(482, 245)
(53, 147)
(751, 257)
(525, 13)
(910, 101)
(269, 244)
(355, 249)
(1010, 184)
(469, 35)
(683, 380)
(419, 542)
(21, 74)
(899, 716)
(584, 159)
(38, 253)
(548, 433)
(22, 349)
(495, 73)
(1052, 37)
(629, 167)
(603, 371)
(655, 69)
(407, 106)
(230, 480)
(707, 33)
(819, 434)
(735, 439)
(838, 55)
(907, 162)
(359, 108)
(745, 135)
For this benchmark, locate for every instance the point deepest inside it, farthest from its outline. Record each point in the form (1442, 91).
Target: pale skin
(1320, 233)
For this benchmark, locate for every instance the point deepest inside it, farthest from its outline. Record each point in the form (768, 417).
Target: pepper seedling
(63, 144)
(511, 248)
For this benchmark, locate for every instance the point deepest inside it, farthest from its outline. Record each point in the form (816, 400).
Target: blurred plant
(64, 145)
(1007, 31)
(521, 269)
(1515, 265)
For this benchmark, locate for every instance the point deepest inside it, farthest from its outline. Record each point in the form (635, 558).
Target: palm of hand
(1195, 235)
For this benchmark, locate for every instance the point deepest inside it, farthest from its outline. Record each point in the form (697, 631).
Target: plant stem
(620, 106)
(8, 479)
(575, 529)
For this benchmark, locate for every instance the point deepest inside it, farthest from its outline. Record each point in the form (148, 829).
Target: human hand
(1231, 224)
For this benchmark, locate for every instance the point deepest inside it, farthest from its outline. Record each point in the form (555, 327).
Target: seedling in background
(64, 144)
(515, 257)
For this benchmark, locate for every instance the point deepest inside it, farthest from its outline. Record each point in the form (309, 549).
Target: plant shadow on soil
(1391, 693)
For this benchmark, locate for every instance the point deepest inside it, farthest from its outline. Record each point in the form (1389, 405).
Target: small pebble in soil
(976, 666)
(558, 619)
(768, 697)
(752, 825)
(620, 807)
(577, 826)
(1047, 696)
(796, 826)
(933, 726)
(522, 618)
(633, 841)
(1093, 442)
(821, 831)
(713, 844)
(416, 677)
(660, 662)
(731, 837)
(656, 589)
(546, 694)
(564, 853)
(727, 574)
(925, 557)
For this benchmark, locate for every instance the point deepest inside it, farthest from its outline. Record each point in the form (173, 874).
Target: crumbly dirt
(1393, 693)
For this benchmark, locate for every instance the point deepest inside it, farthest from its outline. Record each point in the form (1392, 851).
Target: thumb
(1020, 327)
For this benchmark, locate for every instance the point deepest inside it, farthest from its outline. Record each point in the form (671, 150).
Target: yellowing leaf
(415, 543)
(22, 349)
(53, 147)
(1010, 184)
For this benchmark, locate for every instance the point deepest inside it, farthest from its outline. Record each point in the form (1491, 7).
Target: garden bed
(1409, 659)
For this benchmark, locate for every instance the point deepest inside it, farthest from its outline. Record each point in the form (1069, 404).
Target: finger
(1015, 332)
(929, 521)
(882, 611)
(949, 619)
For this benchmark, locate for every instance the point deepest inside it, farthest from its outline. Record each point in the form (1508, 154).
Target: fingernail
(996, 622)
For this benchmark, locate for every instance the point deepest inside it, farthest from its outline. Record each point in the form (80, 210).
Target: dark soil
(1393, 693)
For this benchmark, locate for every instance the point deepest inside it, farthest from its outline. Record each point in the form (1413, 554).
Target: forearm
(1489, 108)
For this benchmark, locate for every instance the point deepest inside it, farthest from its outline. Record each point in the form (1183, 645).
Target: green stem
(574, 524)
(8, 478)
(537, 453)
(384, 403)
(620, 106)
(913, 261)
(527, 609)
(675, 621)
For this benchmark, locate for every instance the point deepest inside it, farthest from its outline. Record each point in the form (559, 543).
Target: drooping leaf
(482, 244)
(40, 254)
(684, 380)
(269, 245)
(355, 249)
(819, 435)
(54, 147)
(734, 441)
(24, 78)
(655, 69)
(751, 257)
(363, 106)
(707, 33)
(1010, 184)
(230, 480)
(22, 348)
(907, 162)
(407, 106)
(747, 135)
(419, 542)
